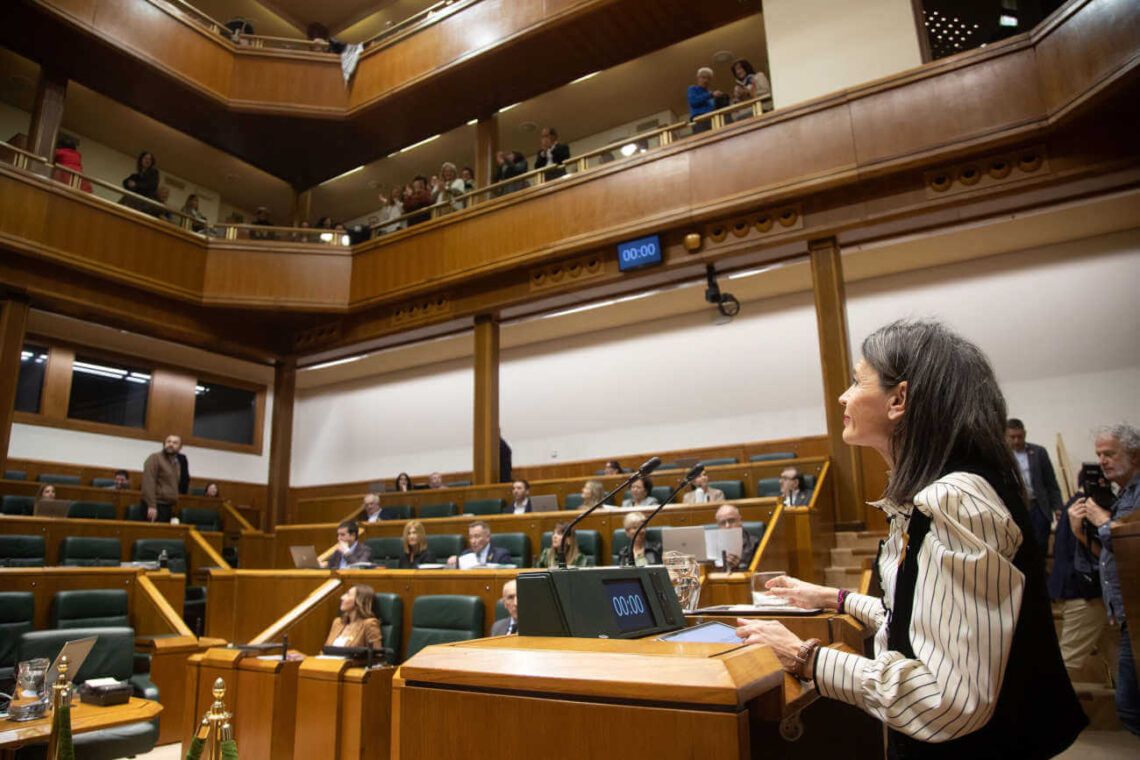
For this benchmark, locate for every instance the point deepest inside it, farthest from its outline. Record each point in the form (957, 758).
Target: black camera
(1095, 485)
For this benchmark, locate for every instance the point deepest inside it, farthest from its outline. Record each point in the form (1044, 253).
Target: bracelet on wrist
(805, 655)
(841, 600)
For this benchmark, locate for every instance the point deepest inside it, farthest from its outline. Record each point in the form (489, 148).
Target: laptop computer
(544, 503)
(305, 557)
(52, 508)
(76, 652)
(686, 540)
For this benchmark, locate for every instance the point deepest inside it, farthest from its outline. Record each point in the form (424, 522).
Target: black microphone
(640, 472)
(693, 473)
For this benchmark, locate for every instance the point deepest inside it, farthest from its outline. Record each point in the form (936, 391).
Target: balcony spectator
(143, 182)
(161, 211)
(199, 222)
(448, 189)
(753, 83)
(261, 219)
(551, 153)
(467, 174)
(702, 100)
(392, 207)
(509, 164)
(420, 198)
(67, 156)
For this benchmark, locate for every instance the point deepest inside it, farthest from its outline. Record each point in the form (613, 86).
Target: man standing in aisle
(1040, 481)
(162, 473)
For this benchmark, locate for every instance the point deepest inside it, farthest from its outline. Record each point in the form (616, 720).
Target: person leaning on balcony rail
(702, 99)
(392, 206)
(448, 188)
(754, 83)
(966, 659)
(143, 182)
(420, 198)
(551, 153)
(67, 155)
(510, 163)
(467, 174)
(199, 221)
(261, 219)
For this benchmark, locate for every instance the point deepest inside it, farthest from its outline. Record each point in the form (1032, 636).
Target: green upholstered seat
(102, 482)
(661, 493)
(21, 551)
(444, 618)
(772, 456)
(733, 489)
(386, 550)
(198, 490)
(445, 545)
(396, 512)
(444, 509)
(136, 512)
(390, 609)
(202, 518)
(518, 544)
(15, 475)
(718, 461)
(60, 479)
(90, 551)
(809, 482)
(90, 608)
(149, 549)
(17, 616)
(92, 510)
(756, 528)
(483, 507)
(620, 540)
(573, 501)
(458, 484)
(768, 487)
(589, 543)
(17, 505)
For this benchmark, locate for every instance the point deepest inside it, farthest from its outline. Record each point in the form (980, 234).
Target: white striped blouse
(966, 604)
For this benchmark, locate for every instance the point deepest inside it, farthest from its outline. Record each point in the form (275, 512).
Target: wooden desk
(84, 717)
(343, 712)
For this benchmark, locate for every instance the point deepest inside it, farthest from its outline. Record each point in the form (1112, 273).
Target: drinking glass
(760, 586)
(684, 573)
(30, 699)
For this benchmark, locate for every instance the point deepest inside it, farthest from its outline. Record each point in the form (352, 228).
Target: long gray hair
(955, 411)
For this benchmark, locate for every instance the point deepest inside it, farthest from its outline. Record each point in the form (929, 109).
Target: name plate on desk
(598, 602)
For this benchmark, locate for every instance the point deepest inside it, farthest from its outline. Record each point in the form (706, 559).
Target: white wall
(819, 46)
(1059, 324)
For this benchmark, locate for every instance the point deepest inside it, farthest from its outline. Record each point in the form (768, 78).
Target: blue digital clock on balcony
(643, 252)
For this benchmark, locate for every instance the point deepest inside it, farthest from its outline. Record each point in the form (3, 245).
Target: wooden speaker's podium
(526, 697)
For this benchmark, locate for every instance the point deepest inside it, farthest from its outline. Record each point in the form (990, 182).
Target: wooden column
(486, 448)
(13, 322)
(47, 113)
(302, 207)
(486, 146)
(281, 444)
(835, 358)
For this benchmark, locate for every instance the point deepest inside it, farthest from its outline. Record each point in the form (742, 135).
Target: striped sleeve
(868, 610)
(966, 602)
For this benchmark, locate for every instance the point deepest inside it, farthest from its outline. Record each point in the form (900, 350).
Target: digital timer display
(642, 252)
(629, 605)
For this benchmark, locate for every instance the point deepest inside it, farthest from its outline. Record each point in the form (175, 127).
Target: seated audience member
(551, 153)
(753, 83)
(467, 174)
(639, 494)
(435, 480)
(392, 207)
(122, 481)
(404, 482)
(420, 198)
(68, 156)
(479, 544)
(728, 516)
(792, 491)
(370, 508)
(349, 551)
(701, 492)
(357, 625)
(1076, 593)
(520, 493)
(143, 182)
(702, 100)
(549, 555)
(645, 552)
(47, 491)
(1039, 480)
(1118, 451)
(212, 491)
(261, 219)
(592, 493)
(416, 550)
(199, 221)
(448, 189)
(613, 467)
(510, 624)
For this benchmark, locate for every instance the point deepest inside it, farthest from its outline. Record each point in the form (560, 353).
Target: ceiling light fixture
(588, 76)
(416, 145)
(342, 176)
(473, 122)
(504, 109)
(335, 362)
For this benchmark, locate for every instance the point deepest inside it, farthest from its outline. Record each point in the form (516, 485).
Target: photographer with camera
(1091, 518)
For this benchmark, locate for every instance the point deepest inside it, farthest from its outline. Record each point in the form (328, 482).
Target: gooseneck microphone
(693, 473)
(640, 472)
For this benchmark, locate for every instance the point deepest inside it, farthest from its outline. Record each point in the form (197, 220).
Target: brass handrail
(336, 238)
(188, 222)
(200, 16)
(22, 157)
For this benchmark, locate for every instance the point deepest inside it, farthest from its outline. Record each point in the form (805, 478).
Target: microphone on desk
(652, 464)
(693, 473)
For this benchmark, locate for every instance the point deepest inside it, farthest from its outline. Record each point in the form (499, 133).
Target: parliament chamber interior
(499, 378)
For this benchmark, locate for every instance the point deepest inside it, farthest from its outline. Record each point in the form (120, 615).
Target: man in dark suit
(551, 153)
(521, 504)
(349, 551)
(509, 624)
(792, 490)
(479, 545)
(1040, 481)
(184, 475)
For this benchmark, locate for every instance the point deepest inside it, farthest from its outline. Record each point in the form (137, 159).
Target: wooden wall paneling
(303, 623)
(168, 671)
(486, 428)
(80, 10)
(56, 394)
(247, 607)
(47, 113)
(152, 612)
(55, 529)
(171, 587)
(259, 276)
(835, 358)
(266, 707)
(45, 582)
(170, 409)
(486, 146)
(304, 82)
(13, 321)
(281, 441)
(319, 725)
(366, 712)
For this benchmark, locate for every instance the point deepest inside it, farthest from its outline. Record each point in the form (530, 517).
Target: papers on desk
(432, 566)
(764, 604)
(468, 561)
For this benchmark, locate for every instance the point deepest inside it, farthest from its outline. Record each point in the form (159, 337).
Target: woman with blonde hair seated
(592, 493)
(549, 556)
(416, 550)
(356, 626)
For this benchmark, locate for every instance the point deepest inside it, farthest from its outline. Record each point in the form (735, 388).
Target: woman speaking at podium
(966, 661)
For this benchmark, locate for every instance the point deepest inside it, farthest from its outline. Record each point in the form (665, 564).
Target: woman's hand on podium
(773, 634)
(802, 594)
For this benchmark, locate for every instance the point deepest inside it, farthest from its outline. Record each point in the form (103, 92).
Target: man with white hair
(702, 99)
(1118, 451)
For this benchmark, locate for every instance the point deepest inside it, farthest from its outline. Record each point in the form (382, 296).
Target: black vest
(1037, 713)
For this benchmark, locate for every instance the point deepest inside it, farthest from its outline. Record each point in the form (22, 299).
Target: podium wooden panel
(343, 712)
